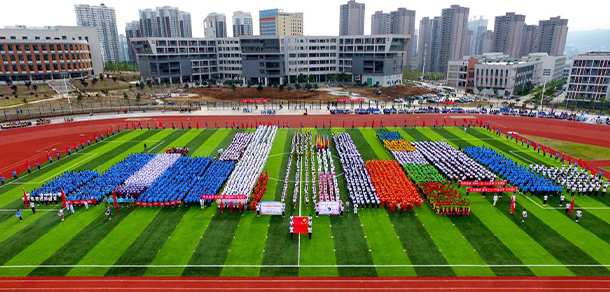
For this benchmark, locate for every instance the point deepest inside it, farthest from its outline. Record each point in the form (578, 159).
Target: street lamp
(65, 75)
(542, 97)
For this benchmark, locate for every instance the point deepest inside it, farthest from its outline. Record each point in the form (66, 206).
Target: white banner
(271, 208)
(329, 208)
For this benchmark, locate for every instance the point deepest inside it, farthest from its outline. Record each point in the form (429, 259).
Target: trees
(79, 97)
(301, 78)
(24, 101)
(343, 77)
(101, 75)
(186, 86)
(297, 86)
(281, 87)
(125, 96)
(138, 97)
(233, 86)
(311, 78)
(260, 87)
(315, 86)
(35, 87)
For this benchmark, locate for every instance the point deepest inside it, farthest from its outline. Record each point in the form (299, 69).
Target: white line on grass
(315, 266)
(560, 208)
(158, 144)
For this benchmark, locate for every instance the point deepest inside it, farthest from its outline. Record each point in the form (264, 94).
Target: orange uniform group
(392, 185)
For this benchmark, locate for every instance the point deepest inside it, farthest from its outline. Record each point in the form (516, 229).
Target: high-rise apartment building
(552, 36)
(351, 18)
(165, 22)
(132, 30)
(123, 49)
(453, 39)
(278, 22)
(530, 37)
(424, 40)
(215, 26)
(508, 36)
(242, 24)
(103, 18)
(381, 23)
(477, 29)
(401, 21)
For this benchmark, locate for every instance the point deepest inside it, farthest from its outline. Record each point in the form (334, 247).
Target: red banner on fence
(158, 204)
(300, 224)
(254, 100)
(492, 190)
(350, 100)
(447, 102)
(224, 197)
(482, 183)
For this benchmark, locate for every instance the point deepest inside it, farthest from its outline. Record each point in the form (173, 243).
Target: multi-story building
(215, 26)
(49, 53)
(375, 60)
(589, 77)
(477, 29)
(453, 38)
(424, 41)
(488, 42)
(103, 18)
(123, 48)
(552, 66)
(351, 18)
(493, 74)
(401, 22)
(132, 30)
(165, 21)
(242, 24)
(552, 35)
(229, 58)
(381, 23)
(279, 23)
(508, 36)
(528, 43)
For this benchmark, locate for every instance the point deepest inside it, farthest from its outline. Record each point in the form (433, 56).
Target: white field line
(157, 145)
(315, 266)
(561, 208)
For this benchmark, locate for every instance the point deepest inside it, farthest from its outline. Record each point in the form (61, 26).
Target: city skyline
(63, 14)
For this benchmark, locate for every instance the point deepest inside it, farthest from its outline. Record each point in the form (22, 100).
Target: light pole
(542, 97)
(65, 75)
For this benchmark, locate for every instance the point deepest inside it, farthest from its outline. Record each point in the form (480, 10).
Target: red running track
(308, 284)
(29, 144)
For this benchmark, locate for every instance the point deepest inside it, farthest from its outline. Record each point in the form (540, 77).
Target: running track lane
(28, 144)
(308, 284)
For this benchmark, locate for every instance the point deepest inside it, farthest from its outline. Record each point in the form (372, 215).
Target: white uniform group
(360, 188)
(453, 163)
(574, 180)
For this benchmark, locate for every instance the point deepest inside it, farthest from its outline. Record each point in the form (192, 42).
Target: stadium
(220, 196)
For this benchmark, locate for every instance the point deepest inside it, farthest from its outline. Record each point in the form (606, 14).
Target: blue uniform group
(175, 183)
(68, 182)
(518, 175)
(212, 180)
(105, 183)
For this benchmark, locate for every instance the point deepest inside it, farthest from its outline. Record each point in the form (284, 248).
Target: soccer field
(180, 241)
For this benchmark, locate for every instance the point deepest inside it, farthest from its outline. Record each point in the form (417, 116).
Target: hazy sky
(321, 16)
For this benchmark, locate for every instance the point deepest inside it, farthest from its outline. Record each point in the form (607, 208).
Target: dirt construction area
(226, 94)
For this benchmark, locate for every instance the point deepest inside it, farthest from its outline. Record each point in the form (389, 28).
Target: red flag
(25, 166)
(424, 124)
(63, 198)
(373, 124)
(116, 205)
(512, 204)
(25, 198)
(343, 124)
(571, 206)
(300, 224)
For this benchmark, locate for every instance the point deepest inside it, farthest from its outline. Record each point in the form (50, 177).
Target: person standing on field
(523, 215)
(18, 215)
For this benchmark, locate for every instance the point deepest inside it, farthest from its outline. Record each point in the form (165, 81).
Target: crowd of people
(237, 147)
(360, 188)
(15, 125)
(575, 180)
(106, 182)
(250, 166)
(177, 150)
(177, 181)
(149, 173)
(67, 182)
(210, 183)
(293, 150)
(518, 175)
(394, 188)
(452, 163)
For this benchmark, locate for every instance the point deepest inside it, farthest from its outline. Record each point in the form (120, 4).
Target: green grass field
(584, 151)
(182, 241)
